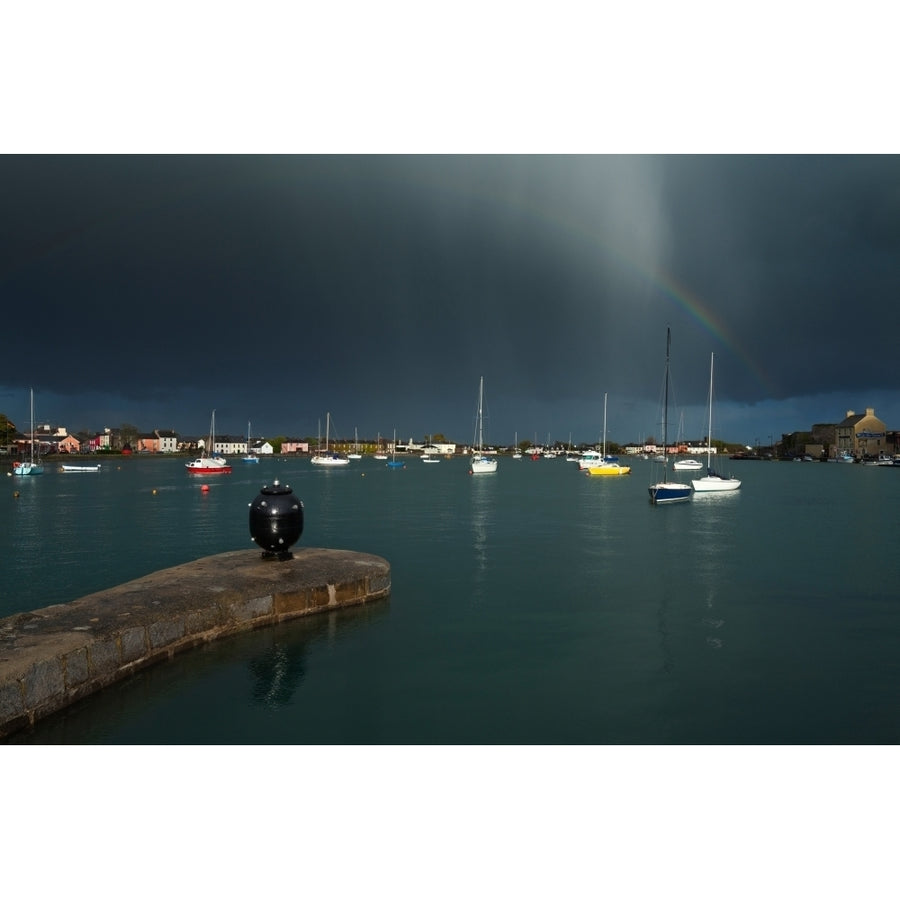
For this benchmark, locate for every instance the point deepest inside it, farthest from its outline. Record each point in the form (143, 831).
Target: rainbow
(699, 311)
(661, 282)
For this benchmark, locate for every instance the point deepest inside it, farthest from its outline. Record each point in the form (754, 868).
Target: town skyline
(188, 442)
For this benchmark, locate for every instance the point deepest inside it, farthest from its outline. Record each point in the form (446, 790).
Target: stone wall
(55, 656)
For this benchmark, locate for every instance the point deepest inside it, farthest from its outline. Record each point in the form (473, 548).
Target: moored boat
(481, 463)
(713, 481)
(208, 463)
(355, 454)
(326, 457)
(393, 462)
(607, 464)
(665, 491)
(250, 456)
(30, 466)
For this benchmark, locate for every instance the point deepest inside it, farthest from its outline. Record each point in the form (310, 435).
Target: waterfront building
(861, 435)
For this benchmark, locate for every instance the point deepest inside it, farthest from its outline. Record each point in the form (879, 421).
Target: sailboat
(393, 463)
(31, 467)
(250, 457)
(429, 451)
(481, 463)
(379, 452)
(607, 466)
(207, 463)
(355, 454)
(690, 464)
(326, 457)
(712, 481)
(517, 453)
(668, 491)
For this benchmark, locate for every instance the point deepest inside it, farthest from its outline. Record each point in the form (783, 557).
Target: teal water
(537, 605)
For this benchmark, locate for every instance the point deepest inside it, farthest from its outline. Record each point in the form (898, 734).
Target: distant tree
(7, 431)
(276, 444)
(128, 434)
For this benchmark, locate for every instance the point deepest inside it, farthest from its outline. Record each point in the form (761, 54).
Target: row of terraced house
(56, 439)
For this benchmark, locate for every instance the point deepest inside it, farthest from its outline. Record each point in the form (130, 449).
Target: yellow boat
(609, 469)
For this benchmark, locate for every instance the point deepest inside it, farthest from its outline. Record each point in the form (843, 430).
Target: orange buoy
(204, 488)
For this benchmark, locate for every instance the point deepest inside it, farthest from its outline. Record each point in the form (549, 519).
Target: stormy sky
(290, 214)
(276, 288)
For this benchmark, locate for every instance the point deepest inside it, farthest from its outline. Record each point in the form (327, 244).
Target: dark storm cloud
(793, 253)
(380, 288)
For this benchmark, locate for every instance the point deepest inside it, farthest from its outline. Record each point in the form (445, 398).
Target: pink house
(147, 443)
(69, 444)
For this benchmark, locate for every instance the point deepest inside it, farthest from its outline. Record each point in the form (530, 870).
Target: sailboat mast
(666, 405)
(604, 428)
(709, 428)
(480, 420)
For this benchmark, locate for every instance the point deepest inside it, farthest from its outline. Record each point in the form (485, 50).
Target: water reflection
(278, 673)
(483, 496)
(714, 526)
(198, 690)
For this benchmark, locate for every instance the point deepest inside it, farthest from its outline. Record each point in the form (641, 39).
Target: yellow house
(861, 435)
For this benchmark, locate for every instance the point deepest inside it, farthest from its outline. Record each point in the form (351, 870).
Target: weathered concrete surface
(54, 656)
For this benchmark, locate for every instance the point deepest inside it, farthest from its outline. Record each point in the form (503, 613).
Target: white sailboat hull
(709, 483)
(330, 461)
(483, 464)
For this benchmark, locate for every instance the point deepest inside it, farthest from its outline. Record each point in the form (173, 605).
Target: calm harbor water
(534, 606)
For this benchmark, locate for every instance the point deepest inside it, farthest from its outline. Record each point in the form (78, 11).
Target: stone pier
(55, 656)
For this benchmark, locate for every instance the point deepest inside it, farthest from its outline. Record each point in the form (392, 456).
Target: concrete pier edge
(55, 656)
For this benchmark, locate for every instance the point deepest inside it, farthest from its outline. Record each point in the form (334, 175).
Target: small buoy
(363, 474)
(15, 493)
(154, 490)
(204, 488)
